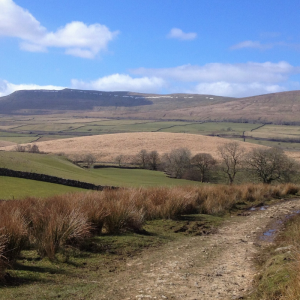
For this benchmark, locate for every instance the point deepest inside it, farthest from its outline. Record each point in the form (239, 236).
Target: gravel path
(218, 266)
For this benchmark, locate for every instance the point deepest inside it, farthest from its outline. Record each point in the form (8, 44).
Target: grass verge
(279, 265)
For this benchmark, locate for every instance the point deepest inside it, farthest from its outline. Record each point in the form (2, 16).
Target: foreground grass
(71, 246)
(92, 268)
(279, 265)
(18, 188)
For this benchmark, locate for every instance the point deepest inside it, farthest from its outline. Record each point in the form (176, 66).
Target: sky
(234, 48)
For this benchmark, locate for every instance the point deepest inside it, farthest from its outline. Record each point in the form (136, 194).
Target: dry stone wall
(53, 179)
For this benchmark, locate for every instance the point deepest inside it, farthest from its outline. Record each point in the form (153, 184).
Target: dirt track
(218, 266)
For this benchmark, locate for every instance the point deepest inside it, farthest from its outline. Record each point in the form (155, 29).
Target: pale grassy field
(107, 147)
(6, 143)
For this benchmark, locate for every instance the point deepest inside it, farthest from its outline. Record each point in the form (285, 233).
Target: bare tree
(141, 158)
(271, 164)
(204, 162)
(232, 159)
(33, 148)
(177, 162)
(89, 159)
(153, 160)
(119, 159)
(20, 148)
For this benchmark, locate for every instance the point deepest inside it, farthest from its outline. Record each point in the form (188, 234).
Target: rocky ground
(217, 266)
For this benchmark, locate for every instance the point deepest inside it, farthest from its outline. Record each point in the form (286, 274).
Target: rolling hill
(106, 147)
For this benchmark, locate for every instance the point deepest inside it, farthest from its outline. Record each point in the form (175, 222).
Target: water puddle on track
(269, 235)
(265, 207)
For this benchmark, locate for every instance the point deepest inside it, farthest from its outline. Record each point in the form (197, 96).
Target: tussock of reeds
(54, 223)
(15, 229)
(50, 224)
(3, 262)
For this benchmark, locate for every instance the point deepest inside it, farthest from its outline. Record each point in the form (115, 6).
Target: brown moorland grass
(107, 147)
(6, 144)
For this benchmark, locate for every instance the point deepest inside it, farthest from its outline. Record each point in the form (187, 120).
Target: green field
(61, 167)
(138, 178)
(17, 188)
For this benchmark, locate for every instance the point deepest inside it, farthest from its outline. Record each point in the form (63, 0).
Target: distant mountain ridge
(281, 107)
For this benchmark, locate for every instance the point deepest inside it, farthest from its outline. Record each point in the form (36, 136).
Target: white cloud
(222, 88)
(176, 33)
(241, 73)
(237, 80)
(121, 82)
(7, 88)
(77, 38)
(251, 44)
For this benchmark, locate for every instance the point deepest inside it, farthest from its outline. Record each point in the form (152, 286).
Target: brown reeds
(14, 227)
(3, 260)
(54, 223)
(51, 224)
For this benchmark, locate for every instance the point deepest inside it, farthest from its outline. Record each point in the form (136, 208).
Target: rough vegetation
(50, 225)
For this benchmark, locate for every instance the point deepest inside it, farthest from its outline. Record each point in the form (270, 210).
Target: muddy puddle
(274, 227)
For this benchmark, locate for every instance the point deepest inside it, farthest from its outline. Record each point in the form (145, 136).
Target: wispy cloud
(176, 33)
(251, 44)
(77, 38)
(243, 72)
(223, 88)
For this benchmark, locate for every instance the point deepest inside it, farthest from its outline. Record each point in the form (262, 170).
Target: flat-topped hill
(279, 108)
(83, 101)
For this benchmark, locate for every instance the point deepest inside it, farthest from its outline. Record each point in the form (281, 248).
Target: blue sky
(222, 47)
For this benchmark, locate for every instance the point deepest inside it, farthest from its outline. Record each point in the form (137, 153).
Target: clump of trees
(29, 148)
(266, 165)
(177, 162)
(204, 163)
(272, 164)
(148, 160)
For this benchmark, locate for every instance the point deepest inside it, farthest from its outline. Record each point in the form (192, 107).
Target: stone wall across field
(53, 179)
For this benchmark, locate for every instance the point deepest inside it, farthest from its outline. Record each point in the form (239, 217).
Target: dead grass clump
(251, 193)
(3, 259)
(14, 227)
(216, 202)
(166, 203)
(123, 215)
(290, 189)
(54, 223)
(92, 205)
